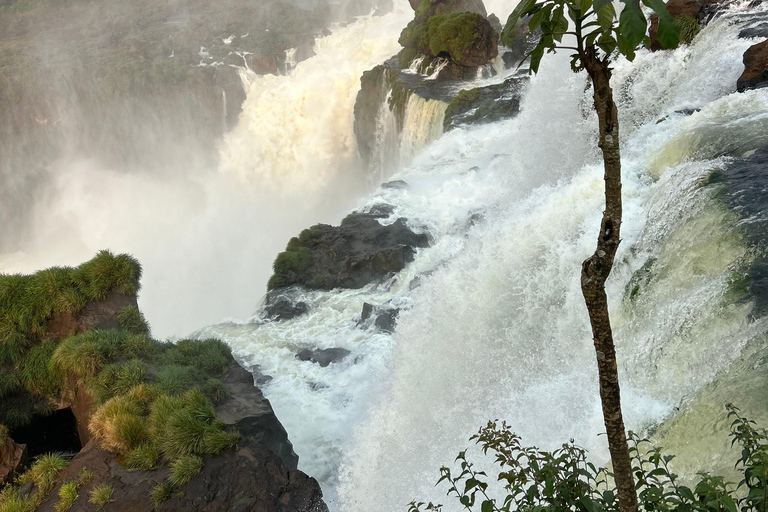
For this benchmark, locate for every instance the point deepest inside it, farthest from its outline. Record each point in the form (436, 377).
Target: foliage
(184, 469)
(593, 23)
(688, 27)
(131, 319)
(295, 258)
(405, 57)
(142, 458)
(564, 479)
(161, 492)
(414, 36)
(42, 474)
(67, 496)
(101, 495)
(453, 33)
(28, 301)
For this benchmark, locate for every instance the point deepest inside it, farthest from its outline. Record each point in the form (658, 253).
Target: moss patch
(453, 33)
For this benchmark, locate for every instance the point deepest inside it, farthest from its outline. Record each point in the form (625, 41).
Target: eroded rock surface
(755, 74)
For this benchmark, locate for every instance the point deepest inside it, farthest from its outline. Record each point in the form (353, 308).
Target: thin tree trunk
(594, 272)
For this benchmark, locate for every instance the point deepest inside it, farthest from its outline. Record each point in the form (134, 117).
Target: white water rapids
(492, 322)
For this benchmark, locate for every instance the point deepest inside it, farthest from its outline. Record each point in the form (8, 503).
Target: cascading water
(205, 240)
(492, 321)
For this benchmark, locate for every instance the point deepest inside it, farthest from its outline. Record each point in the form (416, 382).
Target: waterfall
(492, 321)
(423, 123)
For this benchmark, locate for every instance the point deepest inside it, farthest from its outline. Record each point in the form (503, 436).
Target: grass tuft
(67, 496)
(101, 495)
(142, 458)
(184, 469)
(132, 320)
(161, 493)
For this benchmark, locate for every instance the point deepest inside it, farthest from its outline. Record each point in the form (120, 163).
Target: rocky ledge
(136, 424)
(359, 251)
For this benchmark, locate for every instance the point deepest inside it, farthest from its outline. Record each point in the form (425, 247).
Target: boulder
(279, 307)
(755, 75)
(359, 251)
(384, 318)
(466, 37)
(427, 8)
(495, 22)
(323, 357)
(251, 479)
(680, 8)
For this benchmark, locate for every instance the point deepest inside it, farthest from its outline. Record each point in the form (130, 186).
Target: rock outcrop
(13, 457)
(359, 251)
(251, 479)
(755, 75)
(323, 357)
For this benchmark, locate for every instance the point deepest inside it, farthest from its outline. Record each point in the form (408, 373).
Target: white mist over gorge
(437, 206)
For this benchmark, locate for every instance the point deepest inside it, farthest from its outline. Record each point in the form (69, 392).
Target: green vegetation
(27, 303)
(414, 36)
(142, 458)
(42, 474)
(132, 320)
(101, 495)
(461, 103)
(161, 492)
(510, 32)
(406, 56)
(563, 479)
(453, 33)
(688, 27)
(67, 496)
(295, 258)
(184, 469)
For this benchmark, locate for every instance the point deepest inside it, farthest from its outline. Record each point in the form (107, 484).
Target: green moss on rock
(454, 34)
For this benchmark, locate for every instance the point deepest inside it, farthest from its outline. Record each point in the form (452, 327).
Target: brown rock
(12, 459)
(680, 8)
(755, 74)
(251, 479)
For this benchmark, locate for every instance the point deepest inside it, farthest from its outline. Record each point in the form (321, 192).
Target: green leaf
(728, 502)
(606, 17)
(632, 26)
(523, 8)
(487, 506)
(669, 32)
(599, 4)
(625, 47)
(536, 55)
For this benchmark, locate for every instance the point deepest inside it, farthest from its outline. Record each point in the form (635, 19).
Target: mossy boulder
(425, 9)
(467, 37)
(359, 251)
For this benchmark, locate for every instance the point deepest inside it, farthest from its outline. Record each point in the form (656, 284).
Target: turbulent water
(205, 236)
(492, 321)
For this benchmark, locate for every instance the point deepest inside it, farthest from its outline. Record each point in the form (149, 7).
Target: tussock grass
(117, 379)
(142, 458)
(184, 469)
(101, 495)
(44, 471)
(161, 493)
(132, 320)
(67, 496)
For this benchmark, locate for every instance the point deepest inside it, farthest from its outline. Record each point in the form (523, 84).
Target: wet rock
(251, 414)
(279, 307)
(358, 252)
(249, 479)
(485, 104)
(449, 36)
(680, 8)
(384, 318)
(755, 75)
(438, 7)
(495, 22)
(323, 357)
(13, 457)
(395, 184)
(760, 30)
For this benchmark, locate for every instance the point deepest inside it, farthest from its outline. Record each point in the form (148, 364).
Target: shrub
(175, 379)
(216, 391)
(142, 458)
(67, 496)
(184, 469)
(33, 373)
(117, 379)
(563, 479)
(101, 495)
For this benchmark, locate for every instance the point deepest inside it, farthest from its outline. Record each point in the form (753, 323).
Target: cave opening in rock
(46, 434)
